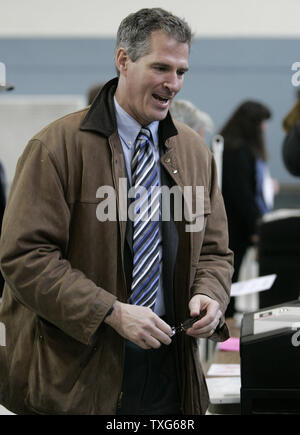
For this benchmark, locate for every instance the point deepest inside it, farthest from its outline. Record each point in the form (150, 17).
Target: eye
(160, 68)
(180, 73)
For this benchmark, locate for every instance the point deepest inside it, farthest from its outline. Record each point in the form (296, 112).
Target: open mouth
(162, 100)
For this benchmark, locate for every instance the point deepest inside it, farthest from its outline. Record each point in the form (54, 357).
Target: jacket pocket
(57, 363)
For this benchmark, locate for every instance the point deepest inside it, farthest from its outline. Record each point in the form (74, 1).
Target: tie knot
(145, 134)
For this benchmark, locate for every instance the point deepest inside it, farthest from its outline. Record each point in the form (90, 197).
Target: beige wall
(100, 18)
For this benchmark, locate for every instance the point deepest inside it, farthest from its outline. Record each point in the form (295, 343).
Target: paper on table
(253, 285)
(224, 390)
(224, 370)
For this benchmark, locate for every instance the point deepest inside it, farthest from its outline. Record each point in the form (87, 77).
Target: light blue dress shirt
(129, 129)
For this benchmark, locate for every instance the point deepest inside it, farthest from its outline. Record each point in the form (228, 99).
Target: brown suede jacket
(64, 268)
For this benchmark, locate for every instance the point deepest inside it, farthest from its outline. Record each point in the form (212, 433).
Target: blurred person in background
(247, 187)
(185, 111)
(291, 144)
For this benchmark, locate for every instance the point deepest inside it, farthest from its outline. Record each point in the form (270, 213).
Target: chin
(159, 115)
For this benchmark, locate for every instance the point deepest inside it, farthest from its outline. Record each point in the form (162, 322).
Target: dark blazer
(291, 151)
(238, 188)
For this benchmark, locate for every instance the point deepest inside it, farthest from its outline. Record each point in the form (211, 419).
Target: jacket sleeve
(291, 151)
(215, 266)
(34, 246)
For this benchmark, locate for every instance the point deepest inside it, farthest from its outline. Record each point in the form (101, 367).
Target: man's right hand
(139, 325)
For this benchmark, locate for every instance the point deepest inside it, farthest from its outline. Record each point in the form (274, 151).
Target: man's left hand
(206, 326)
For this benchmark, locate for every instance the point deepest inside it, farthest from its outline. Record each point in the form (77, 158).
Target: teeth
(160, 98)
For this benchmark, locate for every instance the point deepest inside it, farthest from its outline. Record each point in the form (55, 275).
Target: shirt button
(175, 171)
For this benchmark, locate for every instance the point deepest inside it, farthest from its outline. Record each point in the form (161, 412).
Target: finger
(153, 342)
(207, 327)
(208, 335)
(195, 307)
(206, 330)
(149, 342)
(143, 345)
(210, 316)
(161, 331)
(152, 338)
(163, 326)
(203, 332)
(161, 337)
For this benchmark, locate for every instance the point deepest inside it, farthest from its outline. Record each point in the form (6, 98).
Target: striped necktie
(146, 261)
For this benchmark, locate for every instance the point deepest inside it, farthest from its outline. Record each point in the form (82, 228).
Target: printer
(270, 360)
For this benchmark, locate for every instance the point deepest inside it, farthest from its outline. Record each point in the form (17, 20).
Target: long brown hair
(292, 118)
(244, 126)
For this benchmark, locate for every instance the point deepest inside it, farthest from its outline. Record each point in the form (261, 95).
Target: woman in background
(291, 144)
(246, 186)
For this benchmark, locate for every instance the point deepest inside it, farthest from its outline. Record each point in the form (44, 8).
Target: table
(225, 403)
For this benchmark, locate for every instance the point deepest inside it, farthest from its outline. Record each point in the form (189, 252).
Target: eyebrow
(166, 65)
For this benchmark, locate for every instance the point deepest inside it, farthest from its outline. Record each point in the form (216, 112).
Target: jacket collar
(101, 117)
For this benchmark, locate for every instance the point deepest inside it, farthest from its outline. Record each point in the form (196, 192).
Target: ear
(122, 59)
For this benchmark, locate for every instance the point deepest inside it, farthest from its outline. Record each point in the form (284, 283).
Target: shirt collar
(129, 128)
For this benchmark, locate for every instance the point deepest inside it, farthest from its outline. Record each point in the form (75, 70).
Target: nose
(173, 83)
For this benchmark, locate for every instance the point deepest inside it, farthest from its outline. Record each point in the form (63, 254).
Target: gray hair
(135, 30)
(186, 112)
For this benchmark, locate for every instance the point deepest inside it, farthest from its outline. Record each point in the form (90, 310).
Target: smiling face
(147, 86)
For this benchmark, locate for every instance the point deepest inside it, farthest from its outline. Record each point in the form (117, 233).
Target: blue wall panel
(223, 73)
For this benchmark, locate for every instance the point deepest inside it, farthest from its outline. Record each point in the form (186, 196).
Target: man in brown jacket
(73, 342)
